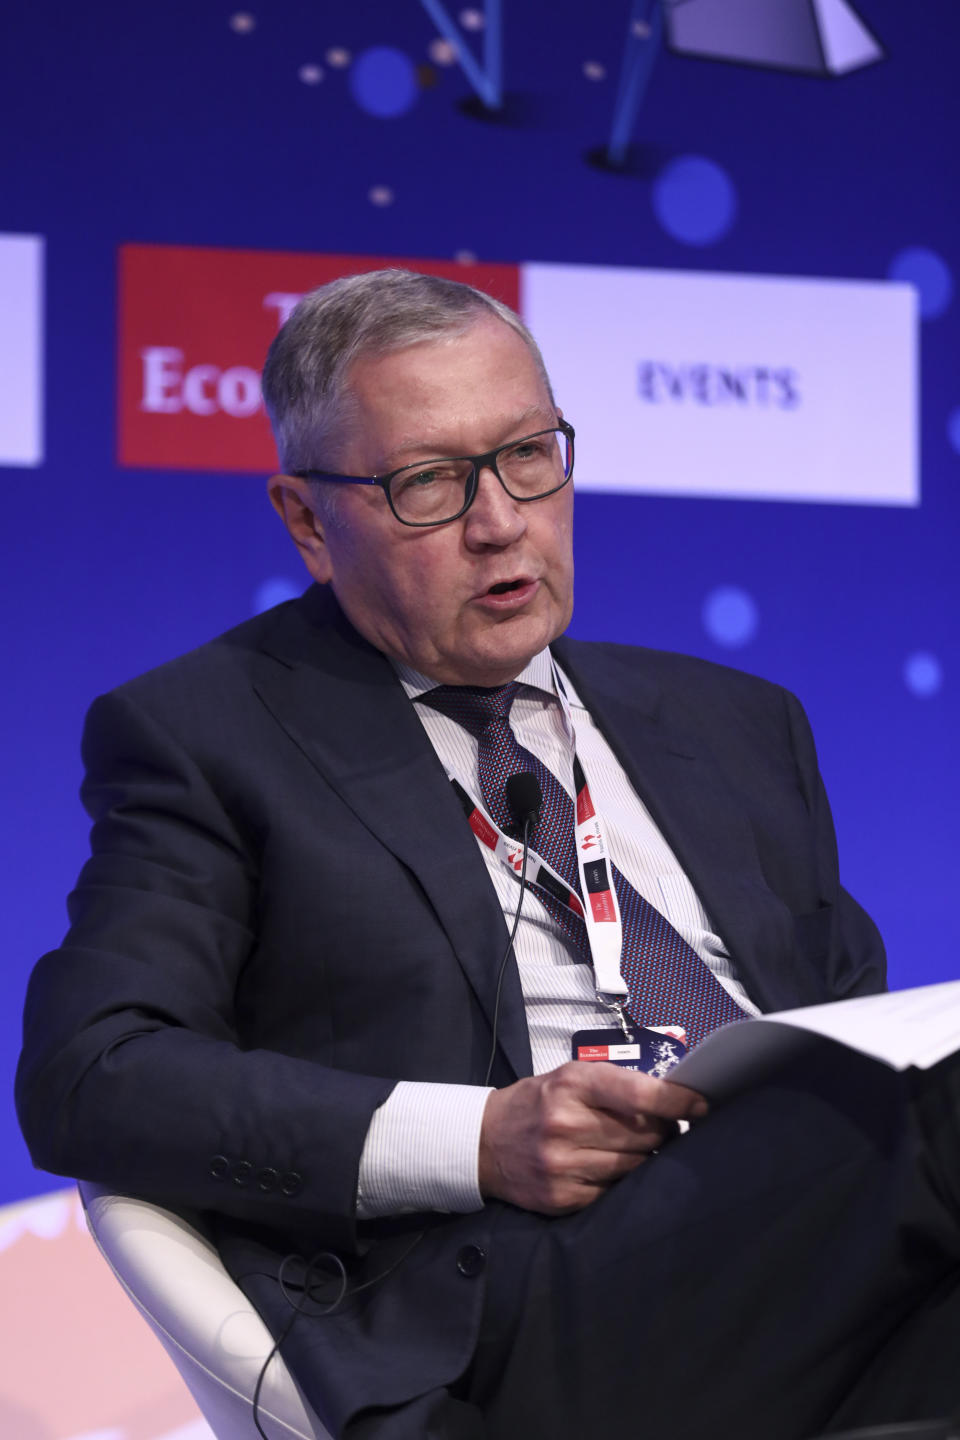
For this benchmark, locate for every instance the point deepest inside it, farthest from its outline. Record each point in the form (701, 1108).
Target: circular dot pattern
(730, 616)
(923, 674)
(442, 52)
(383, 82)
(694, 200)
(930, 275)
(953, 429)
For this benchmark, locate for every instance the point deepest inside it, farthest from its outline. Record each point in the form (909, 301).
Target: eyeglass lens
(432, 493)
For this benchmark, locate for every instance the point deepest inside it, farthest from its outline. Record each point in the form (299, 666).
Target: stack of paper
(902, 1029)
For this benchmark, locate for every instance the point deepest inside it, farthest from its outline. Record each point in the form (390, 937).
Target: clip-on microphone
(525, 797)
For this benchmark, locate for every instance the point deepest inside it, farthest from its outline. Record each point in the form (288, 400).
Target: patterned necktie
(669, 983)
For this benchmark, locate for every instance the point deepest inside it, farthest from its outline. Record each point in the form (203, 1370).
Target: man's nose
(494, 518)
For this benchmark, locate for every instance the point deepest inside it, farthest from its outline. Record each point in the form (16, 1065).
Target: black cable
(296, 1309)
(528, 825)
(530, 820)
(297, 1306)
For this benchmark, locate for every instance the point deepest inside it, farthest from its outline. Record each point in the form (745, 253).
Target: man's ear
(293, 501)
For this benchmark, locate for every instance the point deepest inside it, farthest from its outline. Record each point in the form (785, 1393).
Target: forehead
(462, 390)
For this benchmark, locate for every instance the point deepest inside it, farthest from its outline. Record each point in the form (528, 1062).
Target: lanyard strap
(604, 926)
(510, 853)
(601, 913)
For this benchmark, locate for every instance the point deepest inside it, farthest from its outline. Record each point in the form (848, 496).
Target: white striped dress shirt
(423, 1143)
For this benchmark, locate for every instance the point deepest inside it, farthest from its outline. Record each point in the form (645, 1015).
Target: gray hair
(306, 375)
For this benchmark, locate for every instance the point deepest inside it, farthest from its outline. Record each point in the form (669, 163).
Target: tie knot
(472, 706)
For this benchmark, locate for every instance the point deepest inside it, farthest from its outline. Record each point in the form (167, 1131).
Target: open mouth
(505, 586)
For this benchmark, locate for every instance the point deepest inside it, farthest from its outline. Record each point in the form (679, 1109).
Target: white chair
(173, 1274)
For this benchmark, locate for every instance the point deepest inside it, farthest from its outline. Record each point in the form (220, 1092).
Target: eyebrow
(416, 445)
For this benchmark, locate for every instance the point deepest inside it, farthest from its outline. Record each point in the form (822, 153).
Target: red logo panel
(195, 325)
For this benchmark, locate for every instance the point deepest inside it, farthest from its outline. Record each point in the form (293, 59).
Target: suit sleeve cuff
(422, 1150)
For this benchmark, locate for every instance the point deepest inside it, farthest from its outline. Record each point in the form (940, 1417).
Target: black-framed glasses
(434, 492)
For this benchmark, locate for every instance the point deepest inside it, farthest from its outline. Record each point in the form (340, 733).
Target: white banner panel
(21, 350)
(736, 386)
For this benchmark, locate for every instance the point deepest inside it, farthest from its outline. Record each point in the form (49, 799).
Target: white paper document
(902, 1029)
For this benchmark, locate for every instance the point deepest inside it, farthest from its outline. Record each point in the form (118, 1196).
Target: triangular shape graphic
(486, 79)
(847, 43)
(783, 35)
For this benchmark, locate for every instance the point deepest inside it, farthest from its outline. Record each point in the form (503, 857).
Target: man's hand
(554, 1142)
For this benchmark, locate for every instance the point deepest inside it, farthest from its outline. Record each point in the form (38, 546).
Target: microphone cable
(298, 1306)
(525, 796)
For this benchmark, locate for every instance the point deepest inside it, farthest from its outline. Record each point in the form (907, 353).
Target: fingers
(565, 1181)
(627, 1093)
(554, 1142)
(561, 1194)
(636, 1132)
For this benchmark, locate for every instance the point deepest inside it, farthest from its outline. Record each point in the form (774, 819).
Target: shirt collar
(537, 674)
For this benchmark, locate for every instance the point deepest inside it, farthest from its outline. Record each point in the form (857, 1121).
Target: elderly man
(287, 995)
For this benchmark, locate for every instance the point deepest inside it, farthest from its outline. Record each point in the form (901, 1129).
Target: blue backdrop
(192, 123)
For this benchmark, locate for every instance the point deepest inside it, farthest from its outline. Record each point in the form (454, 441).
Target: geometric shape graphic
(112, 1377)
(747, 387)
(194, 327)
(383, 82)
(953, 429)
(847, 43)
(274, 591)
(923, 674)
(730, 616)
(644, 33)
(486, 81)
(930, 276)
(21, 350)
(816, 37)
(694, 200)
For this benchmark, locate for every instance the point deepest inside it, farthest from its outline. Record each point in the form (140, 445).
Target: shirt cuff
(422, 1150)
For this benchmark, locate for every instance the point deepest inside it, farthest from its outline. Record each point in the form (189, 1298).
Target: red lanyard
(601, 913)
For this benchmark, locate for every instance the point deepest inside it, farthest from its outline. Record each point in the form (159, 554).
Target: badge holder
(636, 1047)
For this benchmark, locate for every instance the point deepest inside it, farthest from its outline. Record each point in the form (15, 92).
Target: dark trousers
(790, 1267)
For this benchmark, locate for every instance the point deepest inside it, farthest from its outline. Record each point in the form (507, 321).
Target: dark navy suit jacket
(285, 912)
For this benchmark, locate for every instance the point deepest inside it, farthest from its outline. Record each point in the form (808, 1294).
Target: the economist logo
(195, 325)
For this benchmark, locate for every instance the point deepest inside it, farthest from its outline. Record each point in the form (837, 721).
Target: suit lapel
(702, 820)
(341, 703)
(339, 700)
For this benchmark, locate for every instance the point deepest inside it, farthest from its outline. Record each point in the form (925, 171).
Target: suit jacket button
(219, 1166)
(291, 1182)
(471, 1260)
(267, 1179)
(242, 1172)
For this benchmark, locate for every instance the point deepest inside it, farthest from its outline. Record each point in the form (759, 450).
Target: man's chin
(506, 649)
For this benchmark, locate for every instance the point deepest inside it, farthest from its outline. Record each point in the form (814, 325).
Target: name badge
(654, 1052)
